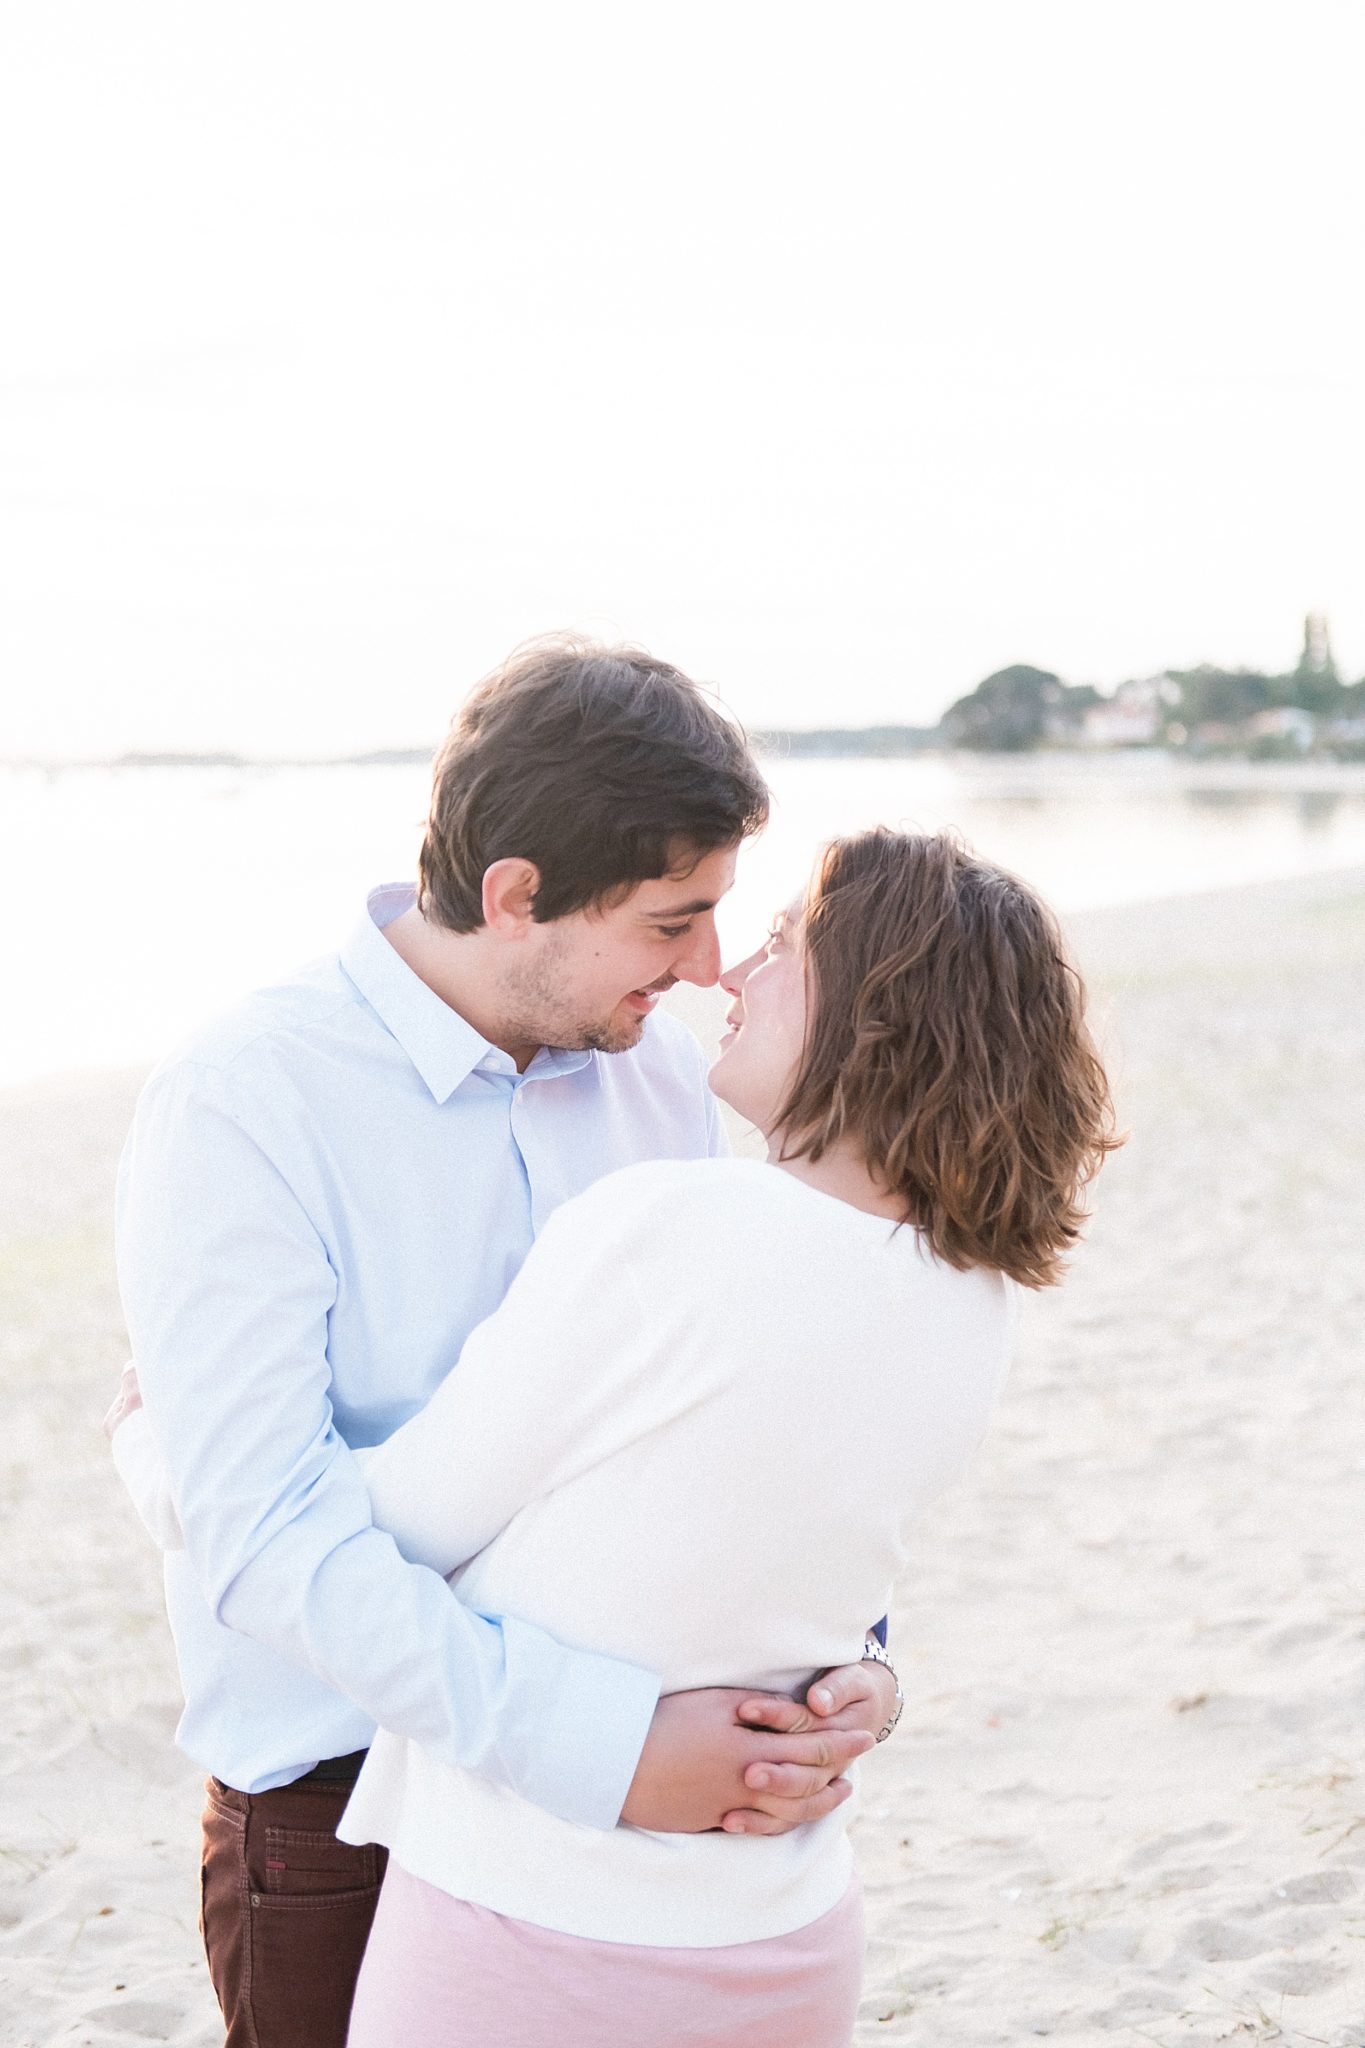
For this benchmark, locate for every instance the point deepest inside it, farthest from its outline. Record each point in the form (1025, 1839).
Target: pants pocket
(287, 1911)
(306, 1950)
(308, 1863)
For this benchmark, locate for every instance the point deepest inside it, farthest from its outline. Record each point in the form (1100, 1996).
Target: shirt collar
(442, 1045)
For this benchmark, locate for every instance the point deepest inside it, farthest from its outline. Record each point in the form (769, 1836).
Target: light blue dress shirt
(322, 1194)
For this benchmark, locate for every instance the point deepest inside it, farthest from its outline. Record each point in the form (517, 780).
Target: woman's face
(761, 1051)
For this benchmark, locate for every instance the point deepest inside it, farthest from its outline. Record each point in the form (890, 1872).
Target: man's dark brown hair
(947, 1040)
(603, 766)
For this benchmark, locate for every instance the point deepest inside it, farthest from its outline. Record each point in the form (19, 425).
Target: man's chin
(618, 1034)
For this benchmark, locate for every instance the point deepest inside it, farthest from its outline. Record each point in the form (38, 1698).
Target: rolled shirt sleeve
(227, 1285)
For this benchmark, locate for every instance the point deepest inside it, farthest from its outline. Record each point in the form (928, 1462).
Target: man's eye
(674, 931)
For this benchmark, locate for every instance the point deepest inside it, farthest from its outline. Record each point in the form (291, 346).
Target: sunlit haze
(840, 357)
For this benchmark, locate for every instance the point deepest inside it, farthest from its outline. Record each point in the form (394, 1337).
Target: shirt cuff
(586, 1745)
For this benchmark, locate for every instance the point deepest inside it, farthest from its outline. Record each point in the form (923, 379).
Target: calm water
(143, 899)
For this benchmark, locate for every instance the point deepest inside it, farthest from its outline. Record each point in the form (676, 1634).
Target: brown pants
(286, 1909)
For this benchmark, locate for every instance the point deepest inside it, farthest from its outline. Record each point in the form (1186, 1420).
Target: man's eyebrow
(681, 910)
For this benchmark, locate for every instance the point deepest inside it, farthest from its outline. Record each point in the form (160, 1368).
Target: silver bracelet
(875, 1652)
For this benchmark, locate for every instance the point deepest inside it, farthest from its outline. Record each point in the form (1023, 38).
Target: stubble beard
(538, 1014)
(606, 1038)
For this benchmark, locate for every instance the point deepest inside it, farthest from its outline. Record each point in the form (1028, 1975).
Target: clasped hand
(756, 1763)
(751, 1763)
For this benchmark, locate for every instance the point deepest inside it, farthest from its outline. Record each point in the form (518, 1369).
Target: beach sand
(1127, 1799)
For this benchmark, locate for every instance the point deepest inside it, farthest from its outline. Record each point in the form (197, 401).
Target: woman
(651, 1448)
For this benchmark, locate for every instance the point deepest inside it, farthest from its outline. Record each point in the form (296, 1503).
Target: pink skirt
(441, 1973)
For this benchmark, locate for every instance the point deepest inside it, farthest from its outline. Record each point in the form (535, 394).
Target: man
(321, 1196)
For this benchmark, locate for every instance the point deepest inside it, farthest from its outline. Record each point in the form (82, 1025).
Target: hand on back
(754, 1763)
(128, 1397)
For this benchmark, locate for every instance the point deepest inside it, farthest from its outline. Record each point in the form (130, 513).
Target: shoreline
(1127, 1799)
(1180, 766)
(695, 1005)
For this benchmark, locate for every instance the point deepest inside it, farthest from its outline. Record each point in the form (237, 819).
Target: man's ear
(509, 892)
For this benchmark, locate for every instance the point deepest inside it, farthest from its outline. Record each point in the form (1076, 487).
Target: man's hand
(128, 1397)
(703, 1766)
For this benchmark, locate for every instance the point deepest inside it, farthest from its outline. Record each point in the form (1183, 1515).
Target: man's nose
(701, 962)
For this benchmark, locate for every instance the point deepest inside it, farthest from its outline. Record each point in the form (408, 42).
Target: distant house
(1288, 724)
(1215, 732)
(1134, 716)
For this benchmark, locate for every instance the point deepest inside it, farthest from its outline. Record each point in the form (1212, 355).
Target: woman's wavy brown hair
(947, 1039)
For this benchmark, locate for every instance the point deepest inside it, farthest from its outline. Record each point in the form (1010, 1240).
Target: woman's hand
(128, 1397)
(855, 1696)
(853, 1699)
(752, 1763)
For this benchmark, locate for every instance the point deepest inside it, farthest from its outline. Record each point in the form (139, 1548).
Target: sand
(1127, 1799)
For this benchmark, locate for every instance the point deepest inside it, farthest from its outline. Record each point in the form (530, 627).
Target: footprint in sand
(1192, 1877)
(1213, 1941)
(1314, 1888)
(1162, 1846)
(1299, 1976)
(139, 2018)
(1302, 1635)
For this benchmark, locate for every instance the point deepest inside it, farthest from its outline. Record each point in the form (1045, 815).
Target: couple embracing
(532, 1476)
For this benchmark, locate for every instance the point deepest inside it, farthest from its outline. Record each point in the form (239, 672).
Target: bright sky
(839, 355)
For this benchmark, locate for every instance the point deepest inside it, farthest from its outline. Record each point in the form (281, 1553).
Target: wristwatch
(875, 1652)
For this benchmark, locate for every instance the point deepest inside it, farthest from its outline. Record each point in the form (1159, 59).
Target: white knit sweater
(691, 1438)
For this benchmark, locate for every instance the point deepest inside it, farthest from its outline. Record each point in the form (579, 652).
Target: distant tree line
(1020, 708)
(1230, 696)
(1203, 710)
(1016, 710)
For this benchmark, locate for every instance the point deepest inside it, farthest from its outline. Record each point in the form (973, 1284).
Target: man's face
(591, 980)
